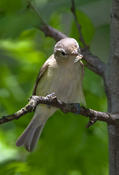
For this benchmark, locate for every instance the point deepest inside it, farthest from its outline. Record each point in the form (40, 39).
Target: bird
(62, 74)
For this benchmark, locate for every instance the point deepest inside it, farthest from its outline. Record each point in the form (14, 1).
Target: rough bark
(51, 100)
(112, 89)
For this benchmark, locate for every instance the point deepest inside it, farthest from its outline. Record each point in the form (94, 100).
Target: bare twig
(31, 5)
(93, 62)
(73, 9)
(51, 32)
(72, 107)
(44, 27)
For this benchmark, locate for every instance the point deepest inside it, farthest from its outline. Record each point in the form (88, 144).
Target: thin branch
(52, 32)
(52, 100)
(44, 27)
(73, 10)
(30, 5)
(94, 63)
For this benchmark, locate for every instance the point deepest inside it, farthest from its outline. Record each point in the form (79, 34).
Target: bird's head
(67, 48)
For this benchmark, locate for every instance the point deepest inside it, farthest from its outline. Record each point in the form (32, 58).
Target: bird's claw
(51, 96)
(77, 106)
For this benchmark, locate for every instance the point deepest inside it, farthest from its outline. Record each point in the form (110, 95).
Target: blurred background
(66, 146)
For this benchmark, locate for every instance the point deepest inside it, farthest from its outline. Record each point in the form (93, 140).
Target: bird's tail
(31, 134)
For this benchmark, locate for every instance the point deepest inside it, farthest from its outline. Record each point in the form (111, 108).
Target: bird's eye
(63, 53)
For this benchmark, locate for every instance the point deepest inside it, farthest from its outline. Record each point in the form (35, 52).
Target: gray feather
(35, 138)
(30, 136)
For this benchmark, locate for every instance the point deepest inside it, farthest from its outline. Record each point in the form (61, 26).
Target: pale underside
(65, 80)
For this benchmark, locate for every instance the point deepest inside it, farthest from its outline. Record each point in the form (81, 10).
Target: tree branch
(52, 100)
(44, 27)
(73, 10)
(93, 62)
(52, 32)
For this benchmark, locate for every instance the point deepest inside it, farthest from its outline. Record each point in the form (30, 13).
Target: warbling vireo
(62, 74)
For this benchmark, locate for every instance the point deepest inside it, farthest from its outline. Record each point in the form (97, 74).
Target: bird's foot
(52, 97)
(76, 108)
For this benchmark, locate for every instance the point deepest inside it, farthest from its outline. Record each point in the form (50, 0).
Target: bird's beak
(78, 58)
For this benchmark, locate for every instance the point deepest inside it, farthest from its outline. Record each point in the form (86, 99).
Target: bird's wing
(82, 70)
(43, 70)
(82, 97)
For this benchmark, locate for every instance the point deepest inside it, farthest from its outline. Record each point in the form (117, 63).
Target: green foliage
(87, 28)
(66, 147)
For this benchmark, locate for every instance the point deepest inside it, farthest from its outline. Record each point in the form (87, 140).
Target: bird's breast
(65, 81)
